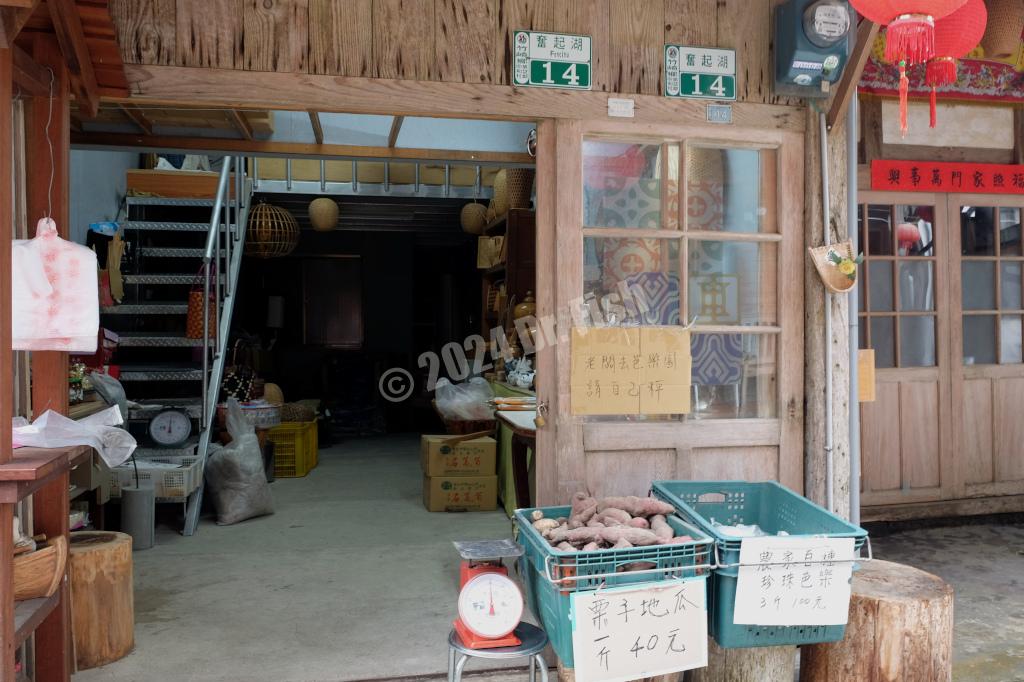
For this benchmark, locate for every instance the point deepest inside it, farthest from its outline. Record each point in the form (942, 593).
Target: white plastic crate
(172, 477)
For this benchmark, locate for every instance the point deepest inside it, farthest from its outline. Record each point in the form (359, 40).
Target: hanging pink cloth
(55, 296)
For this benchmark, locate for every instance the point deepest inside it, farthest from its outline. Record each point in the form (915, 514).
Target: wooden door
(987, 305)
(697, 216)
(904, 314)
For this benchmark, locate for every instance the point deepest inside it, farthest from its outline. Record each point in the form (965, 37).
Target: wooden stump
(758, 664)
(102, 603)
(901, 628)
(569, 675)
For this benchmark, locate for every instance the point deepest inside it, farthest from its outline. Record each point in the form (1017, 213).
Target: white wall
(97, 187)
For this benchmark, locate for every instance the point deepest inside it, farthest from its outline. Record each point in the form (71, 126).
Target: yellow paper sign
(630, 370)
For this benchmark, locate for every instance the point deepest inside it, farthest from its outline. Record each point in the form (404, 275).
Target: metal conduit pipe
(826, 218)
(852, 126)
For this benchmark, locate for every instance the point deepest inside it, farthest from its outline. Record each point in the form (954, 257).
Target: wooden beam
(294, 149)
(18, 3)
(396, 127)
(318, 129)
(30, 77)
(241, 124)
(68, 27)
(192, 86)
(867, 31)
(871, 128)
(1018, 134)
(137, 116)
(12, 20)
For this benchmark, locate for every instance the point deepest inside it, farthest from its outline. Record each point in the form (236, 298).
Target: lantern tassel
(910, 37)
(931, 108)
(904, 95)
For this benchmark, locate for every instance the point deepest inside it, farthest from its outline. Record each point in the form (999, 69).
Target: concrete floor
(985, 565)
(351, 579)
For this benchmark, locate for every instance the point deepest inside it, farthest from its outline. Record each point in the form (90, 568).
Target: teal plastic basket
(774, 508)
(551, 575)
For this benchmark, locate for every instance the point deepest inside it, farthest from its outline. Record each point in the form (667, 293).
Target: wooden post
(814, 325)
(760, 664)
(6, 360)
(901, 628)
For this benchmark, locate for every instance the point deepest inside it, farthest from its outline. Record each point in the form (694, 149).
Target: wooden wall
(464, 41)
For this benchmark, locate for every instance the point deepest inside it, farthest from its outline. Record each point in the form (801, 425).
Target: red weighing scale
(490, 603)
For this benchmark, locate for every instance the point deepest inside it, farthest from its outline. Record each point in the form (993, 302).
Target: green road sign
(700, 72)
(551, 60)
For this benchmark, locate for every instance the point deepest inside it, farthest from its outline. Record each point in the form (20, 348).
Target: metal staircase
(175, 245)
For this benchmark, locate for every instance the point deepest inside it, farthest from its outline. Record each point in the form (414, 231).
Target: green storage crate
(774, 508)
(544, 570)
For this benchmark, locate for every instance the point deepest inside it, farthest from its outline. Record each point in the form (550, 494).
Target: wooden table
(524, 439)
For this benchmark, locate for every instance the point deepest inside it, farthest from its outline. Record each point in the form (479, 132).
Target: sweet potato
(575, 536)
(622, 543)
(536, 515)
(613, 514)
(545, 526)
(591, 546)
(682, 539)
(583, 509)
(636, 506)
(566, 547)
(594, 523)
(661, 528)
(636, 536)
(638, 522)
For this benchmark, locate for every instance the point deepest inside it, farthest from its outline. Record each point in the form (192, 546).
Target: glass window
(916, 285)
(978, 283)
(879, 233)
(733, 282)
(1009, 232)
(733, 375)
(979, 339)
(1010, 339)
(914, 234)
(977, 234)
(631, 281)
(880, 282)
(630, 185)
(882, 340)
(730, 190)
(1010, 285)
(917, 341)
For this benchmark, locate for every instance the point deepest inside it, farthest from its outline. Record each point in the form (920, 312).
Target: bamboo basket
(1002, 33)
(499, 203)
(519, 186)
(834, 281)
(38, 574)
(272, 232)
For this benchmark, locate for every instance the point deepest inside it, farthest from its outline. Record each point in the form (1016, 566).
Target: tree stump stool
(900, 628)
(757, 664)
(102, 601)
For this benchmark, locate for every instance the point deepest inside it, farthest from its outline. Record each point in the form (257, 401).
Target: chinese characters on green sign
(551, 60)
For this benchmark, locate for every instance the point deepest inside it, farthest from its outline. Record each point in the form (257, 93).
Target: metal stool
(533, 642)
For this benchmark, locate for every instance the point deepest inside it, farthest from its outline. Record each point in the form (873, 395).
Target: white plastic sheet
(99, 431)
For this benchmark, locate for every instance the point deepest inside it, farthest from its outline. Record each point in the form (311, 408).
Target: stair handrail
(210, 256)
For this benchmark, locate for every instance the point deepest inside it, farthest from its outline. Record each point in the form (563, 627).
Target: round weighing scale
(490, 603)
(170, 428)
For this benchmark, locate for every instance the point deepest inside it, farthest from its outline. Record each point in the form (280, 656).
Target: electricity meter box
(811, 46)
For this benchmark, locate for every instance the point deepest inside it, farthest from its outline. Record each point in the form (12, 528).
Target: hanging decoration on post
(909, 34)
(836, 265)
(955, 36)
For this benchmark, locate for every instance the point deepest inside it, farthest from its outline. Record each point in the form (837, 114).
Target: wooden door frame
(959, 372)
(949, 474)
(559, 225)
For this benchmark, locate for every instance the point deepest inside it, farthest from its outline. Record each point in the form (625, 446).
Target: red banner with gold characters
(943, 176)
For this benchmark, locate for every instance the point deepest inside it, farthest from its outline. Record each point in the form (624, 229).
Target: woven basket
(39, 573)
(519, 183)
(1002, 33)
(500, 201)
(272, 232)
(297, 412)
(473, 218)
(704, 164)
(834, 281)
(323, 214)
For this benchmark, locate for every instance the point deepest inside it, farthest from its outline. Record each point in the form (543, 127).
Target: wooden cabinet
(517, 272)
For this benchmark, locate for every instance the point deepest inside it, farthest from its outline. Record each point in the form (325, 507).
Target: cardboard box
(440, 456)
(489, 252)
(460, 493)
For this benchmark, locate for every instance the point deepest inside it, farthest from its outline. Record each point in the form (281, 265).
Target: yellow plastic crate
(295, 448)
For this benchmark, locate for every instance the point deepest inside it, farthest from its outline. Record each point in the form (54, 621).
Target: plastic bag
(235, 473)
(110, 389)
(99, 431)
(467, 401)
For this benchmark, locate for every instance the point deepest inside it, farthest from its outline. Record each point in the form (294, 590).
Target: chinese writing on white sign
(628, 633)
(794, 581)
(551, 60)
(700, 72)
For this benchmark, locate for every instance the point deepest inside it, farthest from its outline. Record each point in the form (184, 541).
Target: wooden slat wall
(445, 40)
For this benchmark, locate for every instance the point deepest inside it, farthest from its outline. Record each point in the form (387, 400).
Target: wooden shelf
(31, 468)
(30, 613)
(86, 409)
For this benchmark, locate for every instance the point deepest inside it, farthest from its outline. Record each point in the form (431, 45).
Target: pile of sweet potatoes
(609, 523)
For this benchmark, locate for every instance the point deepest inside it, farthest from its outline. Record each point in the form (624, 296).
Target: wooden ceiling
(245, 124)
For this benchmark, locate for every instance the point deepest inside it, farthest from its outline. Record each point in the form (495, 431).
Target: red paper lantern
(909, 33)
(955, 36)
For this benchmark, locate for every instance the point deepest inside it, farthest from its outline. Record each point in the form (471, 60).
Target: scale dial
(170, 428)
(491, 605)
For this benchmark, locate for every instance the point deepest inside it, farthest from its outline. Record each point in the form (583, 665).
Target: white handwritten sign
(794, 581)
(627, 633)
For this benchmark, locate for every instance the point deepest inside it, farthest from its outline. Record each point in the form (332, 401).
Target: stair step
(161, 372)
(166, 278)
(170, 252)
(149, 408)
(146, 309)
(156, 340)
(163, 226)
(167, 201)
